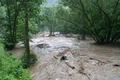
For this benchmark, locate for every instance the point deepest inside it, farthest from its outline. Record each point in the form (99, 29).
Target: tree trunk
(15, 21)
(50, 29)
(27, 49)
(9, 39)
(83, 36)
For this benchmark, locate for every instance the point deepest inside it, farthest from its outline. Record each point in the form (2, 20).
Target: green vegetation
(33, 59)
(13, 19)
(20, 19)
(18, 22)
(10, 68)
(99, 18)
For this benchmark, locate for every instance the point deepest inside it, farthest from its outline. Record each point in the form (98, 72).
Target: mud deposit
(84, 59)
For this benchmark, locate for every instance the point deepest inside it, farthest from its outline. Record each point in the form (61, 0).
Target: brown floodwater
(85, 59)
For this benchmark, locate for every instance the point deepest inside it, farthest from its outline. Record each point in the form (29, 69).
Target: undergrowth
(10, 68)
(33, 59)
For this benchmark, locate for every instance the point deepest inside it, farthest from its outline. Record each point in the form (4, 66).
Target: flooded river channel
(84, 60)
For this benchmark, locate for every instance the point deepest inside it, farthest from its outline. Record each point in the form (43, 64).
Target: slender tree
(27, 48)
(49, 19)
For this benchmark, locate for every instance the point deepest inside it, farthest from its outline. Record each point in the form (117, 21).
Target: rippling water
(97, 60)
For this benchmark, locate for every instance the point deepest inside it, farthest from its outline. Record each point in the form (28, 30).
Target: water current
(85, 59)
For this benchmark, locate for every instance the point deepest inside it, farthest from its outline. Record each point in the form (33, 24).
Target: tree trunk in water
(50, 34)
(27, 49)
(83, 36)
(50, 29)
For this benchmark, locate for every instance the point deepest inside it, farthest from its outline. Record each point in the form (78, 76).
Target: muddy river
(61, 58)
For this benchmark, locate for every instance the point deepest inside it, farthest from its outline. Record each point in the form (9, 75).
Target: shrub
(10, 68)
(33, 59)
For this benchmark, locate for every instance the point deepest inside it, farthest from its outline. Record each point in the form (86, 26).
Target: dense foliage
(49, 19)
(33, 59)
(74, 22)
(100, 17)
(13, 20)
(10, 68)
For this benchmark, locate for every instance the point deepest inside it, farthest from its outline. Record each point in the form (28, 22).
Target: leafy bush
(8, 41)
(10, 68)
(33, 59)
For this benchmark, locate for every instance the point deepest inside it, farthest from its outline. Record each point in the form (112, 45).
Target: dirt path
(83, 60)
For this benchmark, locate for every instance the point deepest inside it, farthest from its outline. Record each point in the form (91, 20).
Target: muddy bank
(84, 59)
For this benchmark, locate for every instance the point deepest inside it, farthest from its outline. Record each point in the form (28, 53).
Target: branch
(115, 7)
(97, 5)
(83, 9)
(68, 21)
(76, 7)
(114, 19)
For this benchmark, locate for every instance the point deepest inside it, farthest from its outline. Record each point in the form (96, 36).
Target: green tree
(74, 17)
(14, 21)
(28, 7)
(27, 48)
(12, 11)
(102, 18)
(17, 21)
(2, 15)
(63, 16)
(48, 13)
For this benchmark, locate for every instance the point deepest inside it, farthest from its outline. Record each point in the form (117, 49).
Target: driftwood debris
(69, 65)
(116, 65)
(55, 57)
(87, 75)
(99, 61)
(82, 71)
(63, 53)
